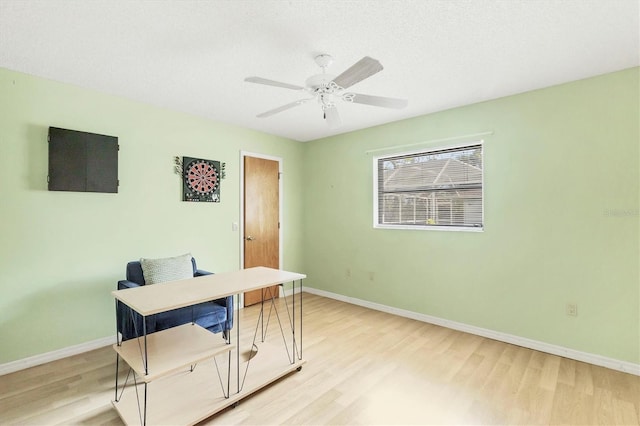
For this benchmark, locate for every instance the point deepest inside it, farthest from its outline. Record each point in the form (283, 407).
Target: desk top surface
(151, 299)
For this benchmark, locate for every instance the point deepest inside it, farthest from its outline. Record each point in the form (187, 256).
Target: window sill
(430, 228)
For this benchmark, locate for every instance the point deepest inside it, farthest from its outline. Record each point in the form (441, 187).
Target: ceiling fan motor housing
(319, 81)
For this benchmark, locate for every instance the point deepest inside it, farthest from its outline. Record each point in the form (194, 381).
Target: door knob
(249, 238)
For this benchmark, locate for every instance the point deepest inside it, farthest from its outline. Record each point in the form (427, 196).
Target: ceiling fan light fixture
(348, 97)
(326, 100)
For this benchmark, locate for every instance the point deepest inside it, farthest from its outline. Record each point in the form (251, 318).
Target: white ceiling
(193, 56)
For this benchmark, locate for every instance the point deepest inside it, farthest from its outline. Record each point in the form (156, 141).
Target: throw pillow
(167, 269)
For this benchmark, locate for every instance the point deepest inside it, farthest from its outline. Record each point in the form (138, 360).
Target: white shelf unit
(182, 380)
(171, 350)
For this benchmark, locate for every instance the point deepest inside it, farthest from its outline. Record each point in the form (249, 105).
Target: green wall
(561, 215)
(561, 219)
(61, 253)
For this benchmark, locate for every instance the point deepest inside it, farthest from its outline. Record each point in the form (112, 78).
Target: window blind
(431, 188)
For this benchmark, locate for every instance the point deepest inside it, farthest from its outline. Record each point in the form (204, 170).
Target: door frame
(280, 204)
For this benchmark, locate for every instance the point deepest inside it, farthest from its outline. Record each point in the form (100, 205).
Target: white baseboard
(614, 364)
(289, 292)
(32, 361)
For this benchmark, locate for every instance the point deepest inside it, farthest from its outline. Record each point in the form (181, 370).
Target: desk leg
(298, 341)
(146, 368)
(300, 354)
(237, 323)
(144, 334)
(144, 419)
(117, 374)
(294, 347)
(119, 343)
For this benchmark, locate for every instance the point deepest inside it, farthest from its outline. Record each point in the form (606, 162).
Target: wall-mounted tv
(82, 161)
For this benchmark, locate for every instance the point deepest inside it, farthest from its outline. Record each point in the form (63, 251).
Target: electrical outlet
(572, 309)
(372, 276)
(347, 273)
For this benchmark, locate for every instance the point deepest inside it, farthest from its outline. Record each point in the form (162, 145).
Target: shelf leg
(293, 327)
(117, 371)
(300, 354)
(146, 359)
(118, 342)
(237, 324)
(229, 377)
(144, 418)
(262, 313)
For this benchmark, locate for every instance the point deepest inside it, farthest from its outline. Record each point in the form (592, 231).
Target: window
(434, 189)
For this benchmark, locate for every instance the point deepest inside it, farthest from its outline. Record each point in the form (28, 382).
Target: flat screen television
(82, 161)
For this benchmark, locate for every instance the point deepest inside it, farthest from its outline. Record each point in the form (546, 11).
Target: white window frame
(378, 225)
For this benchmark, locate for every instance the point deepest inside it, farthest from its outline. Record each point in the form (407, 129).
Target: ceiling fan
(327, 89)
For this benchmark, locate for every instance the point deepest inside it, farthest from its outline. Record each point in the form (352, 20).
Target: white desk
(165, 360)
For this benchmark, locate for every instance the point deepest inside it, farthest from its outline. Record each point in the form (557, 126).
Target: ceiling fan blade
(332, 117)
(365, 67)
(282, 108)
(268, 82)
(379, 101)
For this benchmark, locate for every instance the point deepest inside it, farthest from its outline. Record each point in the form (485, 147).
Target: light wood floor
(363, 367)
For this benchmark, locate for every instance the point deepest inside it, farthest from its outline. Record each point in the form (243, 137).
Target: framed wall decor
(200, 180)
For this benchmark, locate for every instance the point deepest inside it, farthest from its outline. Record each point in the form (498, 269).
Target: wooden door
(261, 221)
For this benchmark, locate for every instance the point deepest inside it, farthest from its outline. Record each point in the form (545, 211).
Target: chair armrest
(123, 284)
(230, 309)
(129, 322)
(226, 302)
(202, 272)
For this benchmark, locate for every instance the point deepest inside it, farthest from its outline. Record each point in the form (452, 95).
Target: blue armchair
(216, 316)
